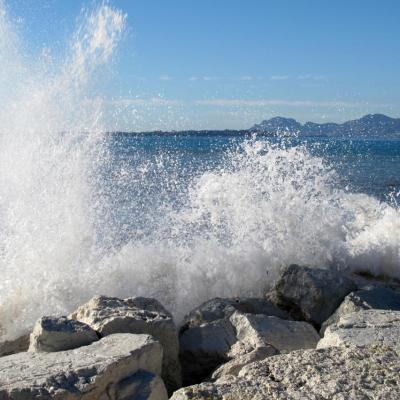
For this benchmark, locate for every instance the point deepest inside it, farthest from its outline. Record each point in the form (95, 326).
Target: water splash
(266, 206)
(224, 231)
(51, 145)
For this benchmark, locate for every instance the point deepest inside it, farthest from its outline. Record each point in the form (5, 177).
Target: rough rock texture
(60, 333)
(108, 315)
(141, 386)
(218, 308)
(367, 280)
(380, 298)
(253, 331)
(205, 347)
(111, 368)
(310, 294)
(234, 366)
(336, 374)
(362, 328)
(13, 346)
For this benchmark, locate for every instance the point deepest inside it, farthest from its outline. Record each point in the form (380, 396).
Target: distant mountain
(369, 125)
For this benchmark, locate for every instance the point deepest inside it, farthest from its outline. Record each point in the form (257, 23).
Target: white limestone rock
(116, 367)
(218, 308)
(234, 366)
(253, 331)
(363, 328)
(379, 298)
(13, 346)
(353, 373)
(206, 347)
(108, 315)
(60, 333)
(310, 294)
(203, 348)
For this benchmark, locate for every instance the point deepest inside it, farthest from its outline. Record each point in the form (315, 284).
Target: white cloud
(162, 102)
(153, 101)
(311, 77)
(246, 78)
(165, 78)
(272, 102)
(203, 78)
(279, 77)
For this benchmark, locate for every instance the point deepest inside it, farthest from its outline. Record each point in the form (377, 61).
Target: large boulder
(254, 330)
(310, 294)
(119, 366)
(16, 345)
(207, 346)
(380, 298)
(362, 328)
(218, 308)
(108, 315)
(60, 333)
(334, 373)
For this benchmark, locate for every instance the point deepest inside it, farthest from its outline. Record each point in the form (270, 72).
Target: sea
(178, 217)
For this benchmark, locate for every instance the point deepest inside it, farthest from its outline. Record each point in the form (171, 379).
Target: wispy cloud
(280, 77)
(204, 78)
(150, 102)
(246, 78)
(165, 78)
(272, 102)
(311, 77)
(162, 102)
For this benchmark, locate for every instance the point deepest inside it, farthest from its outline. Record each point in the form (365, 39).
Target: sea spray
(264, 206)
(76, 221)
(51, 146)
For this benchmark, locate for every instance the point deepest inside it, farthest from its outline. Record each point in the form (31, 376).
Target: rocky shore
(318, 334)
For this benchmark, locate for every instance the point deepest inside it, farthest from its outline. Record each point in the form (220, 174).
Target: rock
(116, 367)
(234, 366)
(141, 386)
(380, 298)
(219, 308)
(367, 280)
(205, 347)
(108, 315)
(60, 333)
(253, 331)
(13, 346)
(310, 294)
(335, 373)
(362, 328)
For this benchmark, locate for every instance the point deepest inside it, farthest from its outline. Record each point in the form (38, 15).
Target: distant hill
(371, 125)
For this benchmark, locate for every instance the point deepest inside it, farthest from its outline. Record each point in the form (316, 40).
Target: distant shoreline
(370, 126)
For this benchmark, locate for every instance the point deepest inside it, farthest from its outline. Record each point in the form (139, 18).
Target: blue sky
(229, 64)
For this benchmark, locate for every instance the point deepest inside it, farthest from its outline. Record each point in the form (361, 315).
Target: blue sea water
(162, 167)
(370, 166)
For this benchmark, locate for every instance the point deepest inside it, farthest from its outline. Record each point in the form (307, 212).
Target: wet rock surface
(310, 294)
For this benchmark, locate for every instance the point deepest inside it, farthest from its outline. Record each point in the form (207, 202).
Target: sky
(228, 64)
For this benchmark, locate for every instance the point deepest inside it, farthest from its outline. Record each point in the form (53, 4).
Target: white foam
(265, 207)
